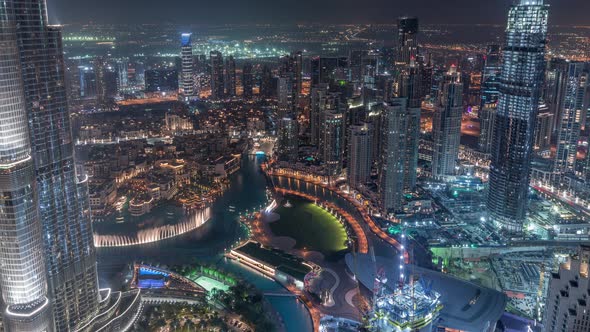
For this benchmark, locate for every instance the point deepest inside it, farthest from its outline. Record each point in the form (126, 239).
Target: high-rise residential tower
(543, 129)
(319, 100)
(393, 146)
(332, 140)
(359, 156)
(187, 80)
(217, 75)
(285, 100)
(554, 88)
(518, 103)
(407, 39)
(567, 297)
(489, 97)
(230, 76)
(446, 125)
(63, 199)
(23, 280)
(266, 83)
(292, 66)
(247, 81)
(572, 110)
(287, 140)
(411, 90)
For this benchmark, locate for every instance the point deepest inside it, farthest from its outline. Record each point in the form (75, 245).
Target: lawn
(312, 227)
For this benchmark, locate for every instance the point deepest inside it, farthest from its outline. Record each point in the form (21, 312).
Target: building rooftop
(277, 259)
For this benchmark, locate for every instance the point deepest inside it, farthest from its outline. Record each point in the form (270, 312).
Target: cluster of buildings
(386, 121)
(172, 162)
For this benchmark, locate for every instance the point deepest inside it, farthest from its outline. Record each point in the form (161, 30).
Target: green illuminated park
(312, 227)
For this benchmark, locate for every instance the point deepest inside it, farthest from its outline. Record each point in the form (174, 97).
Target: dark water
(206, 245)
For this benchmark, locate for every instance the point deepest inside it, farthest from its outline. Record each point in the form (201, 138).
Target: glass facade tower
(446, 125)
(489, 97)
(186, 73)
(22, 266)
(572, 110)
(63, 201)
(520, 88)
(407, 42)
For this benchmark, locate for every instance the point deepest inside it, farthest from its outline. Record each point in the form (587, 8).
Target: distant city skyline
(565, 12)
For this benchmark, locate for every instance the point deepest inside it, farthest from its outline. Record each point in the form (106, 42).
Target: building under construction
(413, 307)
(430, 301)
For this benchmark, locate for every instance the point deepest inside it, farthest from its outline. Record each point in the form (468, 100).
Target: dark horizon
(563, 12)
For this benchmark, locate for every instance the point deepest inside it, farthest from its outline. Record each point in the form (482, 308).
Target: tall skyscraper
(572, 110)
(230, 76)
(266, 90)
(489, 97)
(247, 81)
(319, 95)
(543, 128)
(391, 170)
(426, 72)
(288, 140)
(22, 270)
(186, 72)
(332, 140)
(359, 156)
(292, 66)
(122, 79)
(407, 39)
(410, 89)
(554, 88)
(446, 125)
(285, 96)
(217, 75)
(63, 200)
(100, 70)
(567, 297)
(520, 89)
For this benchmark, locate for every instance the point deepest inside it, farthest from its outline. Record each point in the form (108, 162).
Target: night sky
(301, 11)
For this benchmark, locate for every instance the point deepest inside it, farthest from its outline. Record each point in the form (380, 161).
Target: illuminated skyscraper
(565, 308)
(292, 66)
(520, 89)
(22, 264)
(359, 156)
(332, 140)
(410, 89)
(554, 88)
(230, 76)
(266, 90)
(391, 170)
(217, 76)
(407, 39)
(543, 129)
(186, 73)
(489, 97)
(446, 125)
(572, 109)
(288, 140)
(319, 95)
(285, 96)
(62, 196)
(247, 81)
